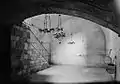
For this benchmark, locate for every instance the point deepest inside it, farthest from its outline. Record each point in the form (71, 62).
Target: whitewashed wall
(113, 41)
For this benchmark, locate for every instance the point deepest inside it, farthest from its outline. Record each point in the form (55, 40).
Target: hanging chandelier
(57, 32)
(71, 41)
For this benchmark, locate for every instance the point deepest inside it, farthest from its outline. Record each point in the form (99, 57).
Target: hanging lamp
(71, 41)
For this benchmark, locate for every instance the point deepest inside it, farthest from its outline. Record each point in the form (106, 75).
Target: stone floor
(70, 73)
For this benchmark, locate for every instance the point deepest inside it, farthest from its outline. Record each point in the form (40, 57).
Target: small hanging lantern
(71, 41)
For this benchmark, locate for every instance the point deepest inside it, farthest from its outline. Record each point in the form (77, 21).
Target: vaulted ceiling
(99, 11)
